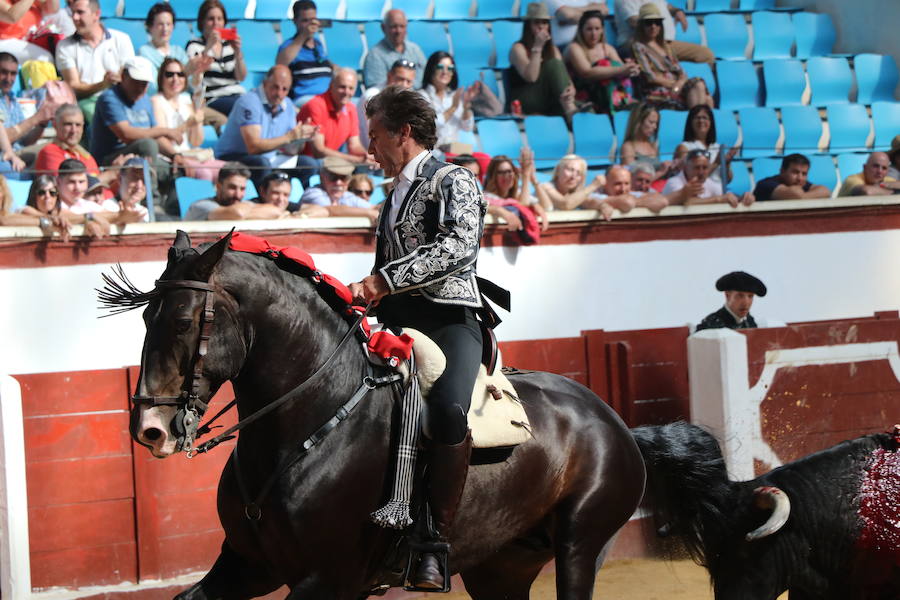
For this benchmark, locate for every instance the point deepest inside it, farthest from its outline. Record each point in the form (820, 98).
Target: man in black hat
(740, 288)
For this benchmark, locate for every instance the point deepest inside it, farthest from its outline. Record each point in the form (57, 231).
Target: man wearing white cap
(124, 124)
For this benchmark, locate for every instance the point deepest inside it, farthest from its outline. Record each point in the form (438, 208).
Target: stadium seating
(137, 9)
(726, 127)
(822, 171)
(452, 9)
(414, 9)
(275, 10)
(594, 138)
(181, 33)
(701, 70)
(740, 181)
(849, 126)
(347, 49)
(471, 43)
(506, 33)
(431, 37)
(500, 136)
(190, 190)
(109, 8)
(258, 56)
(815, 34)
(548, 138)
(132, 28)
(773, 35)
(886, 119)
(374, 34)
(18, 189)
(186, 10)
(620, 124)
(785, 82)
(753, 5)
(671, 132)
(495, 9)
(738, 84)
(851, 163)
(830, 79)
(709, 6)
(210, 137)
(364, 10)
(802, 129)
(726, 35)
(876, 78)
(761, 131)
(765, 167)
(692, 35)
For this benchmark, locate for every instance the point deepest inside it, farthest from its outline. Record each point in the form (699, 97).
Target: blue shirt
(317, 195)
(12, 113)
(114, 107)
(310, 70)
(254, 109)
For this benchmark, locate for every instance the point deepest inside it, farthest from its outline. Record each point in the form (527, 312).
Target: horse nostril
(152, 434)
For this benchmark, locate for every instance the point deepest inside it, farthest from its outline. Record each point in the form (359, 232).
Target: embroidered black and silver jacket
(434, 244)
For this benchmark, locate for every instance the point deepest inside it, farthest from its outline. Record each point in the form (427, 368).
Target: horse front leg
(231, 578)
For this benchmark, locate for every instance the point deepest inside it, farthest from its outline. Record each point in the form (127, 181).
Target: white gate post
(15, 562)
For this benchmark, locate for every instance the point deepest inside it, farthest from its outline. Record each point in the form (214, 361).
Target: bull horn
(778, 502)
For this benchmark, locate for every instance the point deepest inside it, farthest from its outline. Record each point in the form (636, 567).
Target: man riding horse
(428, 238)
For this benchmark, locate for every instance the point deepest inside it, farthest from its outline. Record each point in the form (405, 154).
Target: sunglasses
(698, 152)
(171, 74)
(359, 192)
(450, 68)
(336, 177)
(406, 64)
(505, 172)
(649, 22)
(52, 193)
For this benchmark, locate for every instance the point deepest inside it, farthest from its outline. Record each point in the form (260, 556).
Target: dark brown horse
(562, 495)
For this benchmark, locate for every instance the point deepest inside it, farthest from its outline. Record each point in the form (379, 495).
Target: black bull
(562, 495)
(813, 527)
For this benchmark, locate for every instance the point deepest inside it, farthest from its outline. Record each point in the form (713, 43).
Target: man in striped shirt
(305, 56)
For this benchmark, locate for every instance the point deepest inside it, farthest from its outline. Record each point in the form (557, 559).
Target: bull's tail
(687, 484)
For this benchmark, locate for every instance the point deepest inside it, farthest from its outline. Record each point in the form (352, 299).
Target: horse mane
(687, 485)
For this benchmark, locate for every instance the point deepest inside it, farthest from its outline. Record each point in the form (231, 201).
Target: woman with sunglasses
(662, 78)
(452, 104)
(506, 189)
(174, 108)
(41, 209)
(538, 78)
(600, 76)
(361, 185)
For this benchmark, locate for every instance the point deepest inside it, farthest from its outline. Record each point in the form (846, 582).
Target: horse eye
(183, 326)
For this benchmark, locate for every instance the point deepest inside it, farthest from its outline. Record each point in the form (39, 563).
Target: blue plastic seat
(132, 28)
(364, 10)
(274, 10)
(830, 79)
(256, 32)
(609, 30)
(259, 55)
(726, 127)
(822, 171)
(190, 190)
(849, 126)
(802, 129)
(347, 49)
(710, 6)
(500, 136)
(738, 84)
(753, 5)
(506, 33)
(815, 34)
(325, 9)
(876, 77)
(137, 9)
(740, 180)
(726, 35)
(773, 35)
(210, 137)
(18, 189)
(701, 70)
(761, 131)
(414, 9)
(620, 123)
(494, 9)
(181, 33)
(448, 10)
(785, 81)
(886, 119)
(692, 35)
(850, 163)
(548, 137)
(671, 131)
(431, 37)
(108, 9)
(594, 138)
(765, 167)
(472, 45)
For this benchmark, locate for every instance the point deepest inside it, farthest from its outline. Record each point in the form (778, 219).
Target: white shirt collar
(411, 169)
(736, 318)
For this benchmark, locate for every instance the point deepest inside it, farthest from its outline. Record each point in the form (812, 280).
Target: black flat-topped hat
(739, 281)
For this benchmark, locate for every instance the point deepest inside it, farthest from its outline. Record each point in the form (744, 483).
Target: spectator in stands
(361, 185)
(174, 108)
(740, 289)
(567, 14)
(507, 191)
(619, 194)
(160, 24)
(567, 189)
(693, 185)
(23, 133)
(695, 93)
(894, 155)
(598, 73)
(402, 74)
(16, 18)
(42, 194)
(228, 203)
(640, 145)
(332, 192)
(95, 190)
(124, 124)
(628, 14)
(10, 163)
(338, 125)
(791, 182)
(393, 47)
(662, 78)
(700, 134)
(451, 103)
(468, 161)
(538, 78)
(305, 56)
(642, 176)
(91, 60)
(263, 132)
(72, 184)
(873, 181)
(275, 189)
(221, 80)
(132, 192)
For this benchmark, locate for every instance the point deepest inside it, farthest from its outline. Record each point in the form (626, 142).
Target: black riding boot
(448, 467)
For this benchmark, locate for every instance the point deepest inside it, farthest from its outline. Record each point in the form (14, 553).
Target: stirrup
(441, 550)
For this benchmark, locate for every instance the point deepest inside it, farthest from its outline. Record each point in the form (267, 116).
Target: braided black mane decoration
(119, 294)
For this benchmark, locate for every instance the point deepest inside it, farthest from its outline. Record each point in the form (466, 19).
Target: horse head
(188, 351)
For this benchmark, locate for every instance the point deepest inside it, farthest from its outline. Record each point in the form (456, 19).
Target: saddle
(496, 416)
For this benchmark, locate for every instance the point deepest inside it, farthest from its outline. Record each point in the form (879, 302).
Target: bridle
(190, 407)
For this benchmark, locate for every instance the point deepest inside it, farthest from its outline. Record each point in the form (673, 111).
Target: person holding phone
(305, 56)
(222, 44)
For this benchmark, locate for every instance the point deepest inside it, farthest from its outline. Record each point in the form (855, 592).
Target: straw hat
(649, 12)
(537, 12)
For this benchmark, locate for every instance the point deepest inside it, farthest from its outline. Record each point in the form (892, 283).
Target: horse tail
(688, 489)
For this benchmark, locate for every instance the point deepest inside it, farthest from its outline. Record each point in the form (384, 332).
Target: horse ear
(211, 257)
(181, 245)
